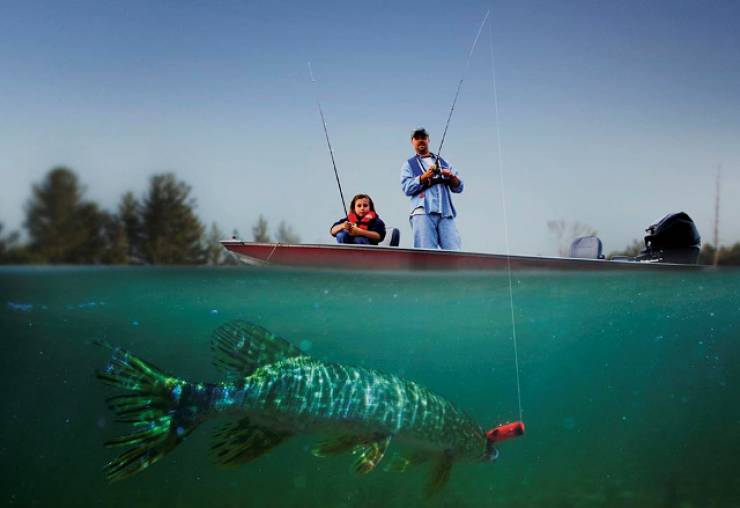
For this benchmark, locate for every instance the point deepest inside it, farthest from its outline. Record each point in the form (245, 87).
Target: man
(432, 212)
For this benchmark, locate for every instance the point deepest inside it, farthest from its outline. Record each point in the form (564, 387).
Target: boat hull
(354, 257)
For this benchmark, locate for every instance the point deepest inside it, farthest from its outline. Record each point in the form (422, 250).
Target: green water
(629, 382)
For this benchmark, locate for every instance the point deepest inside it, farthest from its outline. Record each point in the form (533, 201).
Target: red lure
(504, 432)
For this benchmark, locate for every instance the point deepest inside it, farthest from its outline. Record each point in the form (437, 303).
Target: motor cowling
(672, 239)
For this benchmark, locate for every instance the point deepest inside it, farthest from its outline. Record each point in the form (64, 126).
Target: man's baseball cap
(421, 132)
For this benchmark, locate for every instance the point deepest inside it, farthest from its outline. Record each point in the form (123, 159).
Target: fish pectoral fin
(241, 442)
(368, 449)
(240, 347)
(370, 454)
(339, 444)
(399, 463)
(440, 474)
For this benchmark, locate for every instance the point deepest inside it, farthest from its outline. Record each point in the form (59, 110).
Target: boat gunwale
(442, 257)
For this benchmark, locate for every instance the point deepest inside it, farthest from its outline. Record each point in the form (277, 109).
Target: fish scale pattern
(306, 392)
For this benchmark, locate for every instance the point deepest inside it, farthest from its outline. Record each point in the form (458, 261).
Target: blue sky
(611, 113)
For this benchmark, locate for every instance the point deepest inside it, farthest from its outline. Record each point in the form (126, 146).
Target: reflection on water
(629, 382)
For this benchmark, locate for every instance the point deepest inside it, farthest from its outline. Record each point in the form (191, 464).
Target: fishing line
(459, 86)
(506, 222)
(328, 143)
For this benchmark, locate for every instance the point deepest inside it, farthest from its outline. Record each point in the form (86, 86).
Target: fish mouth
(492, 453)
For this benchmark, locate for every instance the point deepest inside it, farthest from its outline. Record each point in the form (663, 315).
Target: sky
(610, 114)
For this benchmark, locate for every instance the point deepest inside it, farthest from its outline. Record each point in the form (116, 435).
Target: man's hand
(427, 175)
(451, 178)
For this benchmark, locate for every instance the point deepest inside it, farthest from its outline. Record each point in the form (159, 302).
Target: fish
(273, 391)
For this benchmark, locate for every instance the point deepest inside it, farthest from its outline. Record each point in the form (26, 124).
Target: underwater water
(630, 382)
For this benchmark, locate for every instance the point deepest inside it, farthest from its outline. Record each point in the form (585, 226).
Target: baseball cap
(420, 132)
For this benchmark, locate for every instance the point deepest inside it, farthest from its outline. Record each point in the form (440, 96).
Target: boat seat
(392, 238)
(586, 247)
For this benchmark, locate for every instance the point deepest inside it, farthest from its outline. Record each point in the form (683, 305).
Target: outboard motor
(673, 239)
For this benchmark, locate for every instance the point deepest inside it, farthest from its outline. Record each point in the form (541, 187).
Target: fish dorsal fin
(239, 347)
(241, 442)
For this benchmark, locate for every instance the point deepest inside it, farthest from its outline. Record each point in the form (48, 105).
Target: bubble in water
(23, 307)
(213, 312)
(135, 323)
(305, 345)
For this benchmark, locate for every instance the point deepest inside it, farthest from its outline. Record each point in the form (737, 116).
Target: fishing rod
(328, 143)
(457, 93)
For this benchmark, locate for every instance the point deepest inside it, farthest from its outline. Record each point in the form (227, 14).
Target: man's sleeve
(410, 184)
(459, 188)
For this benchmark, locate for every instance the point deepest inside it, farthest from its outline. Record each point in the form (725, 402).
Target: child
(362, 225)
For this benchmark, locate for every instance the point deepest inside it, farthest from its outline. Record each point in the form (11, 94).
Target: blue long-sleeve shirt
(434, 199)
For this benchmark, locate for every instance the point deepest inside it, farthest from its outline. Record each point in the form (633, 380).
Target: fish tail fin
(152, 404)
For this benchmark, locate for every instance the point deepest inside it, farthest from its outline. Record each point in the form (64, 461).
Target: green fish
(274, 391)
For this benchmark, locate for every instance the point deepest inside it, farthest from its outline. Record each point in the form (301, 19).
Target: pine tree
(10, 251)
(171, 232)
(259, 231)
(61, 227)
(129, 214)
(215, 253)
(285, 234)
(117, 247)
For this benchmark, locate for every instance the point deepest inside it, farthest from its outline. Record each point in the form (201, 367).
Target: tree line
(160, 227)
